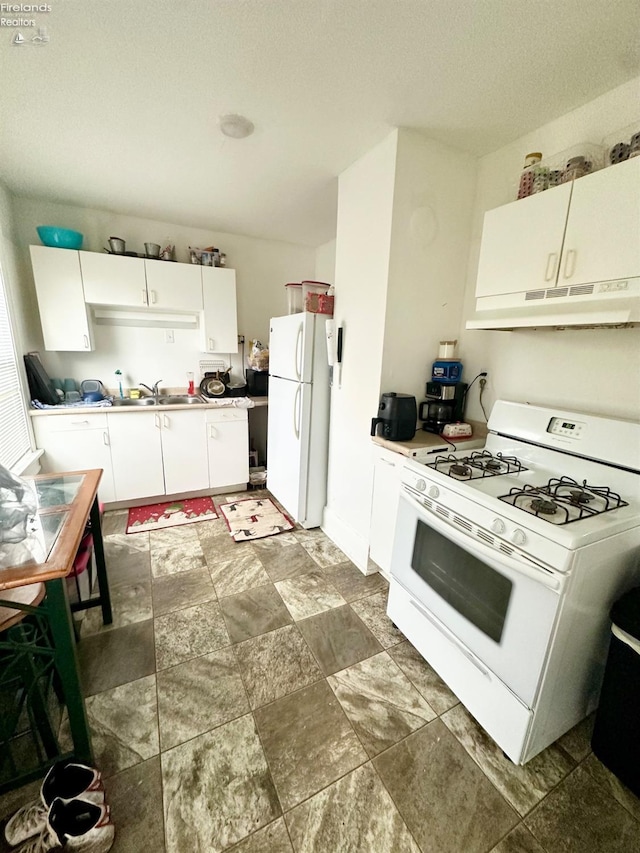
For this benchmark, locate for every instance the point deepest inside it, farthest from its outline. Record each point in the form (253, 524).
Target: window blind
(14, 433)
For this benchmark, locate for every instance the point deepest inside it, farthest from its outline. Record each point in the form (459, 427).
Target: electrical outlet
(240, 339)
(169, 337)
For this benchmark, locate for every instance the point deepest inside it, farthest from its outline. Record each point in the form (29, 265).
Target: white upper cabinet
(220, 317)
(61, 299)
(521, 243)
(175, 287)
(126, 282)
(574, 234)
(113, 279)
(602, 241)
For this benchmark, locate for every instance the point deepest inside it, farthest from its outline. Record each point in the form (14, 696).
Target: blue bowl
(59, 238)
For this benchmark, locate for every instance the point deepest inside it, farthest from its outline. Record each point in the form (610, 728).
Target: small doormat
(254, 519)
(170, 514)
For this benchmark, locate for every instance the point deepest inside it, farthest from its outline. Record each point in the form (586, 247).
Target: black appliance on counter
(444, 405)
(398, 414)
(40, 386)
(257, 382)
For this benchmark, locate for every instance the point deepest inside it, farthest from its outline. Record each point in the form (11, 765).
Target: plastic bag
(17, 506)
(258, 358)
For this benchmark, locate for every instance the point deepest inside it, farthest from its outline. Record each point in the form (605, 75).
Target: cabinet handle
(105, 438)
(211, 343)
(212, 431)
(386, 462)
(570, 263)
(166, 421)
(86, 341)
(157, 416)
(552, 261)
(153, 297)
(145, 298)
(77, 423)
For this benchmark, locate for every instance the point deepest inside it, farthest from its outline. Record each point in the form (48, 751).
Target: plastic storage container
(294, 298)
(312, 292)
(616, 735)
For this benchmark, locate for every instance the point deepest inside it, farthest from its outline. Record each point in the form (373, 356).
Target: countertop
(427, 442)
(218, 402)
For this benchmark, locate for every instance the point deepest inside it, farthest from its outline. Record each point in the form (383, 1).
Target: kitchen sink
(143, 401)
(180, 400)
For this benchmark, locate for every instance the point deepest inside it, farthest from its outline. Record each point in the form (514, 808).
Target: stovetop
(580, 500)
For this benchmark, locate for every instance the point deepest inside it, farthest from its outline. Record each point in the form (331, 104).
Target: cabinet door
(61, 301)
(384, 507)
(602, 242)
(220, 315)
(228, 444)
(521, 243)
(113, 279)
(176, 287)
(136, 454)
(74, 443)
(184, 451)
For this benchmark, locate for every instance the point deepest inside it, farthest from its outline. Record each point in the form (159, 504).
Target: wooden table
(65, 502)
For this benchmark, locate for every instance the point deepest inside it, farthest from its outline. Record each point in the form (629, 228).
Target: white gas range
(507, 559)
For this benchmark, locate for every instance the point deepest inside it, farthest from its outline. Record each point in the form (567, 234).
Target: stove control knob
(433, 492)
(421, 485)
(497, 525)
(518, 537)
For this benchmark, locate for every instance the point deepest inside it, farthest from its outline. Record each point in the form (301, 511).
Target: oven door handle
(484, 552)
(451, 638)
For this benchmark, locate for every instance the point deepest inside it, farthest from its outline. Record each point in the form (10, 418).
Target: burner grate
(563, 500)
(479, 464)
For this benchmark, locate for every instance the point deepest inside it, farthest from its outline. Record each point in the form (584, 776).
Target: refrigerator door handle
(297, 400)
(299, 354)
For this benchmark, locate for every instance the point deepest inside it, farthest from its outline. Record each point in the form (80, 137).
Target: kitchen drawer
(486, 698)
(70, 423)
(224, 415)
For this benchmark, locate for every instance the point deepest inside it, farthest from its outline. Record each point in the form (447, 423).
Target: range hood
(602, 304)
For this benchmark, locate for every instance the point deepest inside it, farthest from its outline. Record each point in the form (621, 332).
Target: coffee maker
(445, 392)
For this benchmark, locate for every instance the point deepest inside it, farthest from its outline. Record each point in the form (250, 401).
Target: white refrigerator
(298, 419)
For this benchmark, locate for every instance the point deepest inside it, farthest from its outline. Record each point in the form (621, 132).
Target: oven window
(474, 589)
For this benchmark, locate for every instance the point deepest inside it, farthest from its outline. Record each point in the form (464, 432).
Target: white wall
(326, 262)
(432, 209)
(365, 203)
(593, 370)
(262, 269)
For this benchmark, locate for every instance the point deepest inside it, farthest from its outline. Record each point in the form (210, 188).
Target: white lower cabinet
(162, 452)
(228, 446)
(76, 442)
(136, 454)
(184, 451)
(384, 507)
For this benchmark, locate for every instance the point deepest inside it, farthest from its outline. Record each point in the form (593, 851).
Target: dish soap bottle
(118, 375)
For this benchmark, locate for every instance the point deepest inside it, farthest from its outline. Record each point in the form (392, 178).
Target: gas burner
(578, 496)
(545, 507)
(563, 500)
(460, 469)
(482, 463)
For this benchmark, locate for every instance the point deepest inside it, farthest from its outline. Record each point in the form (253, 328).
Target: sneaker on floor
(66, 780)
(77, 826)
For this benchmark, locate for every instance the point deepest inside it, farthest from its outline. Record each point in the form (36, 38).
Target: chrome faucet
(153, 390)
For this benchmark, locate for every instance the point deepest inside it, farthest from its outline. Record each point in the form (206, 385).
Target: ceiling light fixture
(235, 126)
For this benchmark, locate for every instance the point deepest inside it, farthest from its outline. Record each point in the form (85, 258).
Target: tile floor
(255, 697)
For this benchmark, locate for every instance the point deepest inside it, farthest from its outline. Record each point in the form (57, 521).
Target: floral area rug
(254, 519)
(170, 514)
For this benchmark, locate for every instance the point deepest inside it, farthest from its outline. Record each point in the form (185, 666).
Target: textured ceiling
(119, 110)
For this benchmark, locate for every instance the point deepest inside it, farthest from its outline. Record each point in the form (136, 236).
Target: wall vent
(555, 292)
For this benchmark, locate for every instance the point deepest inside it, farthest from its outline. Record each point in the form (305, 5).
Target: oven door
(500, 607)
